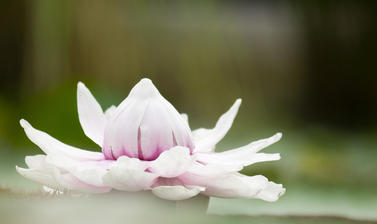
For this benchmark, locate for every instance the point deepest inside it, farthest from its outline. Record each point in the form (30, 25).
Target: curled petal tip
(146, 80)
(279, 135)
(238, 101)
(80, 85)
(24, 123)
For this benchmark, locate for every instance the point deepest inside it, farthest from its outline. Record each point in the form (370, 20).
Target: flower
(147, 145)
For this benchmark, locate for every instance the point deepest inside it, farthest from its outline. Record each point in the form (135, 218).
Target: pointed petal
(128, 174)
(90, 172)
(49, 145)
(205, 140)
(235, 185)
(254, 147)
(243, 156)
(42, 172)
(172, 163)
(176, 193)
(38, 176)
(213, 169)
(91, 116)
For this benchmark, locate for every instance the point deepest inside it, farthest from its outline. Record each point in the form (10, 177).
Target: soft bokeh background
(306, 68)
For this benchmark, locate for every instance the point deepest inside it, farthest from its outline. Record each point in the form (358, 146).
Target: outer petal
(91, 116)
(213, 169)
(177, 192)
(49, 145)
(128, 174)
(42, 172)
(90, 172)
(235, 185)
(205, 140)
(172, 163)
(243, 156)
(43, 176)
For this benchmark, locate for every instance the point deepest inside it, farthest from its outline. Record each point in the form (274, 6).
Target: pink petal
(144, 125)
(91, 116)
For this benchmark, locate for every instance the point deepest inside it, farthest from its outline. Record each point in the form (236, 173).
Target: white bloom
(147, 145)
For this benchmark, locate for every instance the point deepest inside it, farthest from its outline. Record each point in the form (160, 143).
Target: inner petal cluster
(144, 126)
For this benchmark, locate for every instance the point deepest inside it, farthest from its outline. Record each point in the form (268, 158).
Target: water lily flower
(147, 145)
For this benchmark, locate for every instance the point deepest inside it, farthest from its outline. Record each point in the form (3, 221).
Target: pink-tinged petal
(156, 135)
(243, 156)
(128, 174)
(121, 135)
(235, 185)
(206, 139)
(91, 116)
(50, 145)
(172, 163)
(71, 183)
(176, 193)
(144, 125)
(90, 172)
(42, 172)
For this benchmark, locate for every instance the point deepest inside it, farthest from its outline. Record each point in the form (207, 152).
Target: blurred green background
(305, 68)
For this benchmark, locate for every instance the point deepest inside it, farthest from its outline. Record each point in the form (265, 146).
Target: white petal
(45, 178)
(36, 161)
(128, 174)
(71, 183)
(271, 192)
(235, 185)
(110, 112)
(253, 147)
(49, 145)
(90, 172)
(185, 117)
(207, 139)
(176, 193)
(91, 116)
(42, 172)
(172, 163)
(213, 169)
(243, 156)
